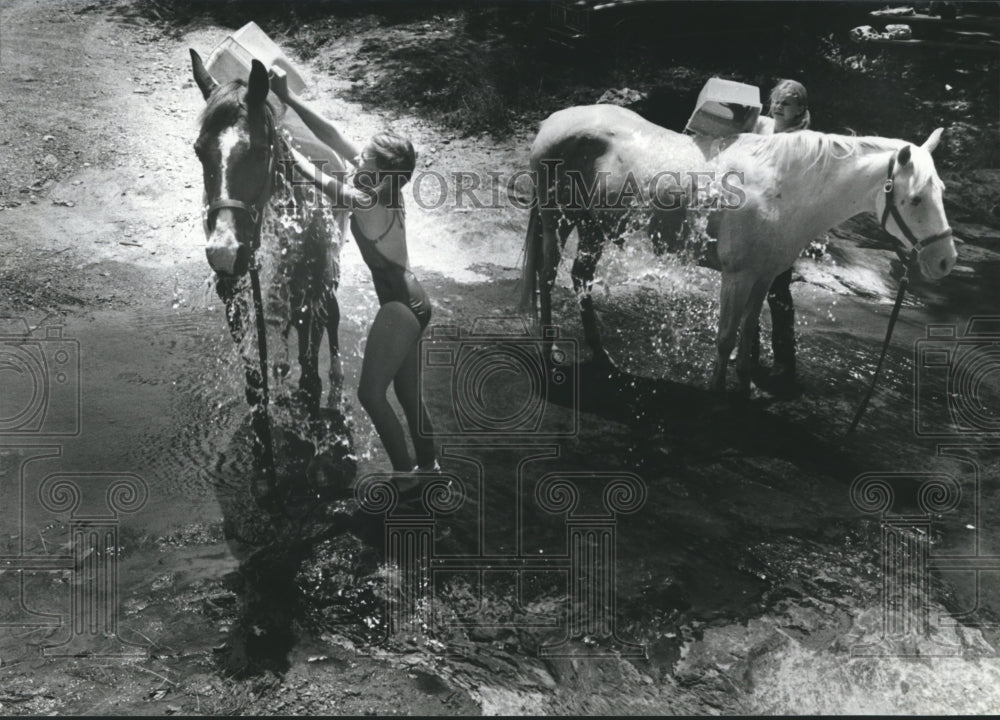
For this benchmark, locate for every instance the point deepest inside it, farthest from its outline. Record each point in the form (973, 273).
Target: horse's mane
(796, 152)
(225, 105)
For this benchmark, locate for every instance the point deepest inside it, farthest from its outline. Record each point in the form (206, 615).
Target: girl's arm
(342, 195)
(319, 125)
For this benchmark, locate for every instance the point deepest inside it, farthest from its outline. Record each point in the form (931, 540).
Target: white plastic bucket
(231, 60)
(725, 107)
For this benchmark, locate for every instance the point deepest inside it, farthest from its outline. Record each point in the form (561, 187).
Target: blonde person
(789, 111)
(378, 223)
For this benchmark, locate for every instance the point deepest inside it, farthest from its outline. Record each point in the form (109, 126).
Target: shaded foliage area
(493, 67)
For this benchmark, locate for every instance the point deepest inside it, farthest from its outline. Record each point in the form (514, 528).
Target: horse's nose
(221, 251)
(941, 266)
(222, 246)
(946, 264)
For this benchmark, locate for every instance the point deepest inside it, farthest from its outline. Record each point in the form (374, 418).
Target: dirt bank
(748, 576)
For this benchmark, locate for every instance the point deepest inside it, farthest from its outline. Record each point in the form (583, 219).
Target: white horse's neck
(824, 195)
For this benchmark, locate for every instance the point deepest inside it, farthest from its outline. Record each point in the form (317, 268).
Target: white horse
(594, 164)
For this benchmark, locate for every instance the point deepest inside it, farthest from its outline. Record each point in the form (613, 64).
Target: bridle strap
(232, 204)
(256, 209)
(913, 248)
(911, 242)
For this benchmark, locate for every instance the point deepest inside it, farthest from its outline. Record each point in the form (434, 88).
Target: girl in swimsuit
(378, 224)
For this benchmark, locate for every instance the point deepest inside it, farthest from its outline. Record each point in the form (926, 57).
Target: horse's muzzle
(939, 264)
(226, 255)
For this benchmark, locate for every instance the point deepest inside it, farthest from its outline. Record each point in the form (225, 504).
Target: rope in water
(903, 282)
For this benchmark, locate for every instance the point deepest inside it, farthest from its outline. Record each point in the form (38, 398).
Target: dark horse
(248, 183)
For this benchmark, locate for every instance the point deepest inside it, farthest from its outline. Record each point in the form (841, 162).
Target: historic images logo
(40, 380)
(956, 396)
(511, 393)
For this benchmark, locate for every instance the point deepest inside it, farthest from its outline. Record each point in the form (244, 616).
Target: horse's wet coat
(303, 265)
(255, 213)
(792, 188)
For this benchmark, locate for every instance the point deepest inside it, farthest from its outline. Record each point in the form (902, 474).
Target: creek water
(747, 512)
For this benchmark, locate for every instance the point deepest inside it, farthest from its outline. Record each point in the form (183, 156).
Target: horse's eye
(916, 201)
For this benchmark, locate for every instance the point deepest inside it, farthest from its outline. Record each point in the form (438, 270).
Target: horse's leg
(310, 335)
(335, 395)
(732, 301)
(589, 250)
(547, 270)
(749, 335)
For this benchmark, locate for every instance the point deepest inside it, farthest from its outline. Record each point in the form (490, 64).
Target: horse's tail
(528, 305)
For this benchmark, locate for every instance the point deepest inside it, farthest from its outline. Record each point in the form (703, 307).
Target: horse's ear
(904, 155)
(933, 140)
(259, 84)
(205, 81)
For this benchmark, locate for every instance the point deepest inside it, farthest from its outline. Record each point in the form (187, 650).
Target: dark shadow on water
(697, 424)
(273, 536)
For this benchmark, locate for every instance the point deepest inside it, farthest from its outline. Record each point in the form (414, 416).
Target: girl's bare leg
(391, 340)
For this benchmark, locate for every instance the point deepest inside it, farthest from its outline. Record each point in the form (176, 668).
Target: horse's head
(911, 208)
(237, 147)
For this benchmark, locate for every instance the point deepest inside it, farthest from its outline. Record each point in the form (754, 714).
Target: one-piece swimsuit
(393, 282)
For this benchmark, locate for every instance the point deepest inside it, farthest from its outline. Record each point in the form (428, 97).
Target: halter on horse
(246, 164)
(794, 187)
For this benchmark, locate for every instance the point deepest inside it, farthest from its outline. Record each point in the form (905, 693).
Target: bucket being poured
(725, 107)
(231, 60)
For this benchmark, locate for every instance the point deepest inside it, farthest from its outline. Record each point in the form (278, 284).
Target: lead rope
(258, 308)
(903, 282)
(270, 471)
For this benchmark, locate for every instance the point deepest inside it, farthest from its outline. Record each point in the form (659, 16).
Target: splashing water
(659, 312)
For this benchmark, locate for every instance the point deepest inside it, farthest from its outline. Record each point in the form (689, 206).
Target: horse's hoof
(759, 374)
(603, 362)
(335, 400)
(779, 381)
(743, 385)
(784, 387)
(309, 399)
(328, 477)
(281, 370)
(266, 496)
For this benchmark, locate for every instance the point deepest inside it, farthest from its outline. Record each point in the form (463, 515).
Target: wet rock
(973, 196)
(966, 145)
(623, 97)
(972, 232)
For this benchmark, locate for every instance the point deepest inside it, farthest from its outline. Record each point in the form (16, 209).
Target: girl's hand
(279, 82)
(382, 192)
